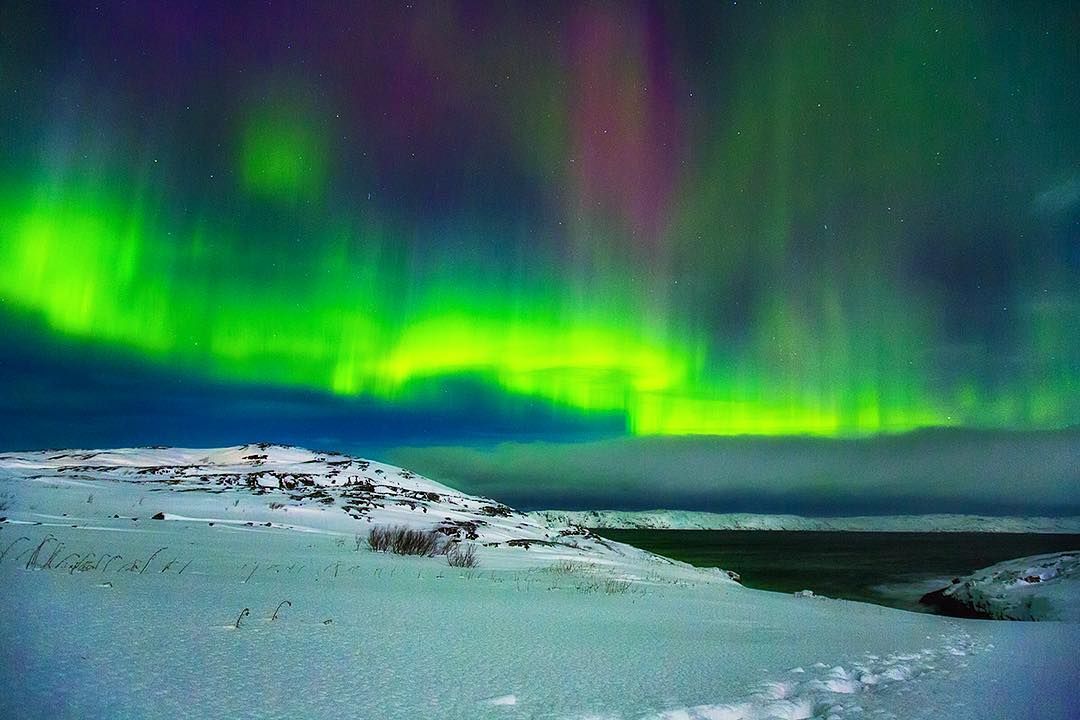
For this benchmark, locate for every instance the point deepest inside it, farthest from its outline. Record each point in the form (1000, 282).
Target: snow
(108, 613)
(692, 520)
(1039, 587)
(288, 488)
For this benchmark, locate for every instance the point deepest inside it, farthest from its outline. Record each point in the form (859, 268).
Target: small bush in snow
(379, 539)
(406, 541)
(463, 557)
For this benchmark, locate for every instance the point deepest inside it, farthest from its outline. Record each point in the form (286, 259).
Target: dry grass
(616, 587)
(462, 556)
(569, 567)
(406, 541)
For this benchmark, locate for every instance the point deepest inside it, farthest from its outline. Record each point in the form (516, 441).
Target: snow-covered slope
(691, 520)
(254, 595)
(285, 488)
(1040, 587)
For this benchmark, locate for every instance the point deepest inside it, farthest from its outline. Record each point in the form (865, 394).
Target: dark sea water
(893, 569)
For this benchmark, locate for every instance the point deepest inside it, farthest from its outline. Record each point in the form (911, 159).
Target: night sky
(399, 225)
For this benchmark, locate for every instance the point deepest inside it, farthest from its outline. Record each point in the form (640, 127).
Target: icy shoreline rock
(1039, 587)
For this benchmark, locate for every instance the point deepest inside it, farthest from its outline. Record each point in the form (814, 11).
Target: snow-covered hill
(1040, 587)
(159, 583)
(285, 489)
(691, 520)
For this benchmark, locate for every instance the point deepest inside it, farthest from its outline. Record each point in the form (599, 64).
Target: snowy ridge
(288, 488)
(691, 520)
(1039, 587)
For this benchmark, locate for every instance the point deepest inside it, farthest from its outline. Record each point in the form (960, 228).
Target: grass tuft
(616, 587)
(569, 567)
(280, 604)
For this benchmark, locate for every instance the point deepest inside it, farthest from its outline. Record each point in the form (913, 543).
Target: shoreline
(695, 520)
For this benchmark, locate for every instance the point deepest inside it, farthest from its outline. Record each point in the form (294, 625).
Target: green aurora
(802, 220)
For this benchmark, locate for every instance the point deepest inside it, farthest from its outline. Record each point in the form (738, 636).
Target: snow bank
(691, 520)
(1040, 587)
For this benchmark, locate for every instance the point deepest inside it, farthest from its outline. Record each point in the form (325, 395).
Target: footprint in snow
(827, 692)
(502, 700)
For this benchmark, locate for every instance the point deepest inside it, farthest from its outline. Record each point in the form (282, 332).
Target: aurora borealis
(834, 219)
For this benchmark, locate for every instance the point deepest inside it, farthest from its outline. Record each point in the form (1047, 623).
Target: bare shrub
(462, 556)
(379, 539)
(406, 541)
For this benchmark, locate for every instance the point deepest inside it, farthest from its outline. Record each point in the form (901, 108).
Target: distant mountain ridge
(693, 520)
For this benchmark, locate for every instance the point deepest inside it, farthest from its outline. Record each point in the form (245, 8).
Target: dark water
(893, 569)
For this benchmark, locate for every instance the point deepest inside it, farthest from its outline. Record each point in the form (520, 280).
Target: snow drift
(1040, 587)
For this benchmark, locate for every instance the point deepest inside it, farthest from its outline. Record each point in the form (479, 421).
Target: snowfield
(1040, 587)
(691, 520)
(237, 583)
